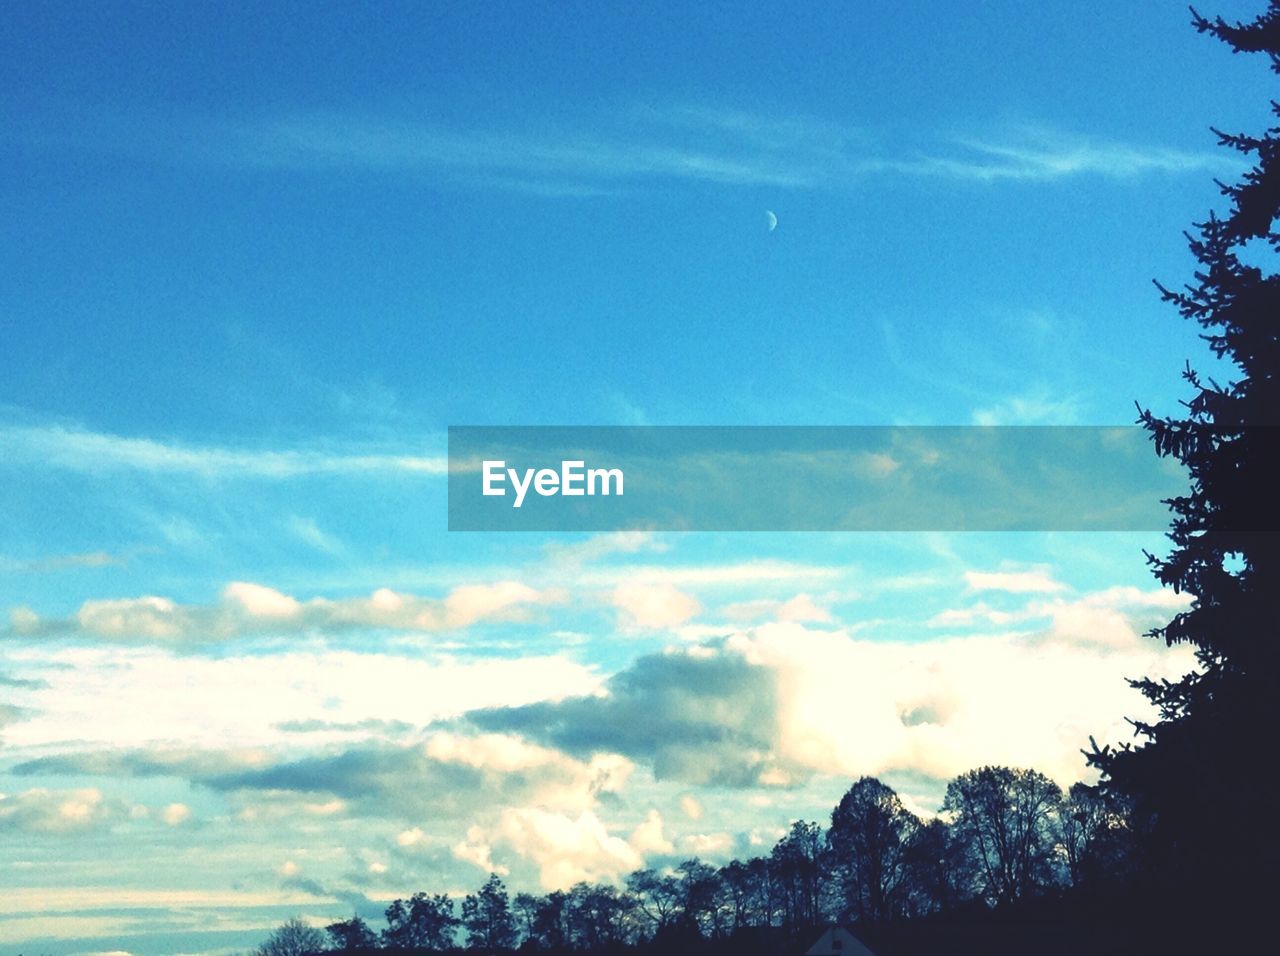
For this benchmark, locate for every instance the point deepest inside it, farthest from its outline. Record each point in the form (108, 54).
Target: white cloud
(122, 697)
(249, 608)
(142, 618)
(175, 814)
(802, 608)
(677, 142)
(328, 808)
(1031, 581)
(714, 846)
(940, 708)
(474, 602)
(1040, 154)
(980, 613)
(798, 608)
(567, 849)
(772, 705)
(500, 752)
(655, 605)
(257, 600)
(23, 620)
(649, 837)
(691, 806)
(476, 851)
(414, 836)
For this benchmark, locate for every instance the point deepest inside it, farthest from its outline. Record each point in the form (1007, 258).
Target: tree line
(1004, 836)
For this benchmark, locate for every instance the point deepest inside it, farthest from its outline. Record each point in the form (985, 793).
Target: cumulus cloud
(411, 837)
(474, 602)
(691, 806)
(475, 850)
(259, 601)
(799, 608)
(175, 814)
(938, 709)
(57, 811)
(144, 618)
(247, 608)
(715, 846)
(649, 836)
(775, 704)
(979, 613)
(653, 605)
(566, 849)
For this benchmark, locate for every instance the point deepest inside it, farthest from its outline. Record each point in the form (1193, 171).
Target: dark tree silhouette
(746, 888)
(658, 898)
(487, 917)
(1196, 777)
(1006, 819)
(596, 916)
(351, 935)
(421, 922)
(940, 870)
(869, 835)
(1012, 832)
(293, 938)
(702, 898)
(525, 907)
(1093, 832)
(551, 921)
(797, 869)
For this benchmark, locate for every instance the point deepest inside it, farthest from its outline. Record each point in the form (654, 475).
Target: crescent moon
(771, 220)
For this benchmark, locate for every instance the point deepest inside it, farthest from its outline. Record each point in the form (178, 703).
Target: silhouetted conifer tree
(1196, 778)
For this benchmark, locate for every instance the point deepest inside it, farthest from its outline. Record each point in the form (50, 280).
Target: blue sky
(254, 260)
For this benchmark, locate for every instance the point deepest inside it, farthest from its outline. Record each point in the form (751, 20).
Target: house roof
(838, 941)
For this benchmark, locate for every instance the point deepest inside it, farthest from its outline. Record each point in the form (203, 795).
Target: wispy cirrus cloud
(1038, 154)
(706, 145)
(82, 450)
(60, 562)
(641, 144)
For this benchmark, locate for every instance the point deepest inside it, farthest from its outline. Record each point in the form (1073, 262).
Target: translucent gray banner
(820, 478)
